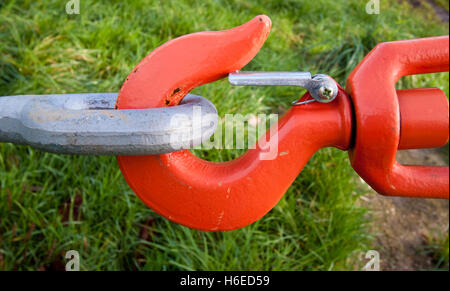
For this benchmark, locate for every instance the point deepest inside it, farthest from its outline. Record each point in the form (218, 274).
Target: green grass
(54, 203)
(437, 247)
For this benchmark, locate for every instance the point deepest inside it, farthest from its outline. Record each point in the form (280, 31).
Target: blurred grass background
(54, 203)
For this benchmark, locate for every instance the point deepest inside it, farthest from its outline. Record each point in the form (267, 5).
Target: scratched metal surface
(88, 124)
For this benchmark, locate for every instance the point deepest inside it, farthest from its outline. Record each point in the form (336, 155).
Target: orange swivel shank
(387, 119)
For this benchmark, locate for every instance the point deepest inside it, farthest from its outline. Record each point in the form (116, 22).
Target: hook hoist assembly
(370, 119)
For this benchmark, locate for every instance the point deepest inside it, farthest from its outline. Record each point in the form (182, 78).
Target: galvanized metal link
(88, 124)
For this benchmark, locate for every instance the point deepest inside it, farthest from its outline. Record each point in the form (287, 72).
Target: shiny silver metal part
(322, 87)
(88, 124)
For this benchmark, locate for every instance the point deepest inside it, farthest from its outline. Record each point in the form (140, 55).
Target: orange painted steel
(169, 72)
(423, 118)
(378, 117)
(224, 196)
(221, 196)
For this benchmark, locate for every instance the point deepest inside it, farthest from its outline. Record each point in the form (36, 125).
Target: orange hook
(224, 196)
(221, 196)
